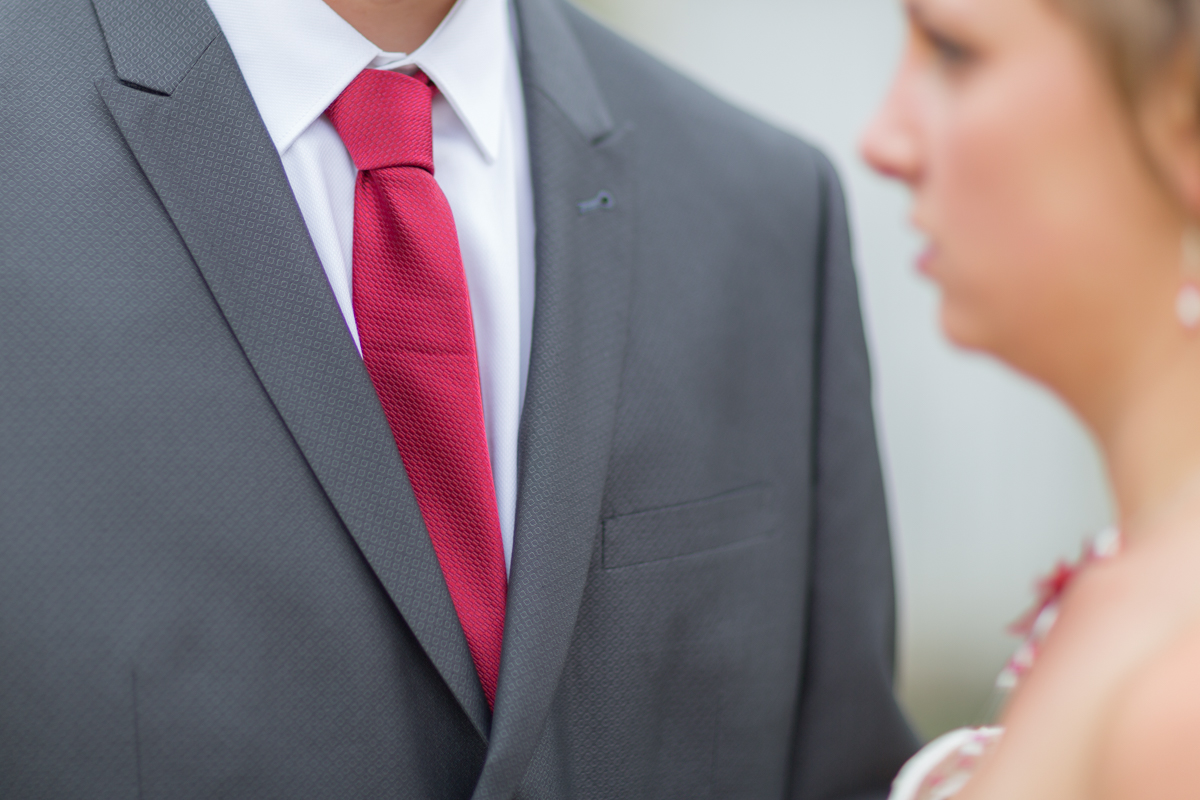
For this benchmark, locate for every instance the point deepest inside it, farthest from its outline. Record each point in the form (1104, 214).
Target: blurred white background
(989, 479)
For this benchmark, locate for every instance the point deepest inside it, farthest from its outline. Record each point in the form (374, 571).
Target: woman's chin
(964, 330)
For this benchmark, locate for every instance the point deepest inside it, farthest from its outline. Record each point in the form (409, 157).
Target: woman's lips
(925, 260)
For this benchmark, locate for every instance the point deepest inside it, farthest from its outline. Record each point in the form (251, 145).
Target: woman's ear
(1169, 118)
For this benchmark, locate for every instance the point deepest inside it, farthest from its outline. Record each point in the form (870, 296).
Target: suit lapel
(583, 254)
(186, 114)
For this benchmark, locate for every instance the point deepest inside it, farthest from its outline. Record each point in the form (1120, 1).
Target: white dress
(943, 767)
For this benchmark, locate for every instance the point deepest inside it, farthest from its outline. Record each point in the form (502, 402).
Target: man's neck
(394, 26)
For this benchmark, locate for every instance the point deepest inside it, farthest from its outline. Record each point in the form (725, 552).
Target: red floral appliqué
(1035, 624)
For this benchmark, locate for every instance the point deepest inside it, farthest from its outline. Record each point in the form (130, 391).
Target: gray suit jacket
(214, 580)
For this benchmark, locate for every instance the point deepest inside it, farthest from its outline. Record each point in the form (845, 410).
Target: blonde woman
(1053, 152)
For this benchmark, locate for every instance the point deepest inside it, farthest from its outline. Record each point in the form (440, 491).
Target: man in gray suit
(216, 579)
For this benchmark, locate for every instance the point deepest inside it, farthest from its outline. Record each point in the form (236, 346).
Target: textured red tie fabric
(418, 342)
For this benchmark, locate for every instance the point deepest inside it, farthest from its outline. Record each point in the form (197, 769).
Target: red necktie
(418, 342)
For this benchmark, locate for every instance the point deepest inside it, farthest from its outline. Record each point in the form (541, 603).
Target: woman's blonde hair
(1136, 38)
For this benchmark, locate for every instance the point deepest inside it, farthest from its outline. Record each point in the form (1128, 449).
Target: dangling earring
(1187, 302)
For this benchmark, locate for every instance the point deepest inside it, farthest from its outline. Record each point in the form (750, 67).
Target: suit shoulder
(666, 104)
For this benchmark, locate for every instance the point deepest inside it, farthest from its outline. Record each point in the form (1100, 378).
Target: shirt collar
(298, 55)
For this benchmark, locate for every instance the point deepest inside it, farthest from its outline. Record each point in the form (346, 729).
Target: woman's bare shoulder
(1149, 743)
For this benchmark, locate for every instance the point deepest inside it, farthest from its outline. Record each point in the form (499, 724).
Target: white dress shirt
(298, 55)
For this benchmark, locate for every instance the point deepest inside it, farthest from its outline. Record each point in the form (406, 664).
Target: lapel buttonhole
(602, 201)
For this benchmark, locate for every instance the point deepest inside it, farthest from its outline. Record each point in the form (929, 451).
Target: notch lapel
(585, 211)
(186, 114)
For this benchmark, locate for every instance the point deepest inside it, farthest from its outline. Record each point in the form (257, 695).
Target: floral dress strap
(942, 768)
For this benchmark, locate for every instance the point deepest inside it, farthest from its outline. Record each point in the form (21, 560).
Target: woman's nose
(889, 144)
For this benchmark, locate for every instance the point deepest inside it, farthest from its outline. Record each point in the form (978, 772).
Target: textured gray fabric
(214, 580)
(243, 229)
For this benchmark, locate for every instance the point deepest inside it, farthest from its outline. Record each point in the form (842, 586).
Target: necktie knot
(384, 120)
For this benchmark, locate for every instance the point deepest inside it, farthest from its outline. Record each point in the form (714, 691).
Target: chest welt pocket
(689, 528)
